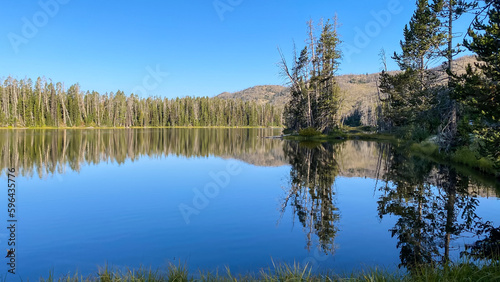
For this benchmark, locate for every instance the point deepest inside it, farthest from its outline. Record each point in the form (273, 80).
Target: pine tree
(315, 96)
(411, 94)
(478, 89)
(328, 100)
(448, 11)
(422, 39)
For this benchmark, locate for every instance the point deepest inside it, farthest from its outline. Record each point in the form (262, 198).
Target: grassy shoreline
(364, 133)
(485, 271)
(461, 158)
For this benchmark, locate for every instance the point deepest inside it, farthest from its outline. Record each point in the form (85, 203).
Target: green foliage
(470, 158)
(41, 105)
(354, 119)
(426, 148)
(309, 132)
(416, 103)
(177, 273)
(413, 132)
(315, 95)
(463, 155)
(466, 271)
(478, 89)
(422, 39)
(285, 272)
(409, 105)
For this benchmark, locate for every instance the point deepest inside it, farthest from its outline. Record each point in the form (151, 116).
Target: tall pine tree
(315, 95)
(478, 88)
(411, 94)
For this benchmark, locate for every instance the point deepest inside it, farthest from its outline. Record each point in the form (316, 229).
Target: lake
(212, 198)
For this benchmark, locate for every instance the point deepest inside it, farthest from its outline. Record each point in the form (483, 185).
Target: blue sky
(184, 48)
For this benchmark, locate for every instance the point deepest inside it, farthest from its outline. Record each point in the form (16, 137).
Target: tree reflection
(434, 204)
(46, 152)
(311, 194)
(487, 248)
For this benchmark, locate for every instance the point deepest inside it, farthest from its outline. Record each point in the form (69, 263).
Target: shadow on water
(435, 205)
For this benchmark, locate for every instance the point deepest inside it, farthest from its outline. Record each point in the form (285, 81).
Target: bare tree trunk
(14, 102)
(98, 107)
(23, 90)
(46, 100)
(312, 41)
(65, 111)
(5, 102)
(309, 115)
(40, 105)
(453, 123)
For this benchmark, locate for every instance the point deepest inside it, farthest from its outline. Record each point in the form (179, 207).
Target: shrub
(309, 132)
(426, 148)
(471, 158)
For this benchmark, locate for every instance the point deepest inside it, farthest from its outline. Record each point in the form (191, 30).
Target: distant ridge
(262, 94)
(360, 96)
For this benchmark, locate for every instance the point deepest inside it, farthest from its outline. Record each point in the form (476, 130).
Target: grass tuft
(285, 272)
(280, 272)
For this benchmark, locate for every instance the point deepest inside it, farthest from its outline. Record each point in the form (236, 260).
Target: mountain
(360, 96)
(262, 94)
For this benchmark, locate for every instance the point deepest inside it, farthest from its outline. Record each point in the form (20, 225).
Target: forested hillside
(44, 103)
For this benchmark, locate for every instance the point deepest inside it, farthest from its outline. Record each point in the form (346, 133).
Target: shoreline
(140, 127)
(462, 158)
(486, 270)
(423, 149)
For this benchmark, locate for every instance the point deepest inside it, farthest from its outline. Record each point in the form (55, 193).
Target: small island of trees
(457, 112)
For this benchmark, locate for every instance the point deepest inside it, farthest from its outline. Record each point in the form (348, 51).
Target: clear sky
(184, 48)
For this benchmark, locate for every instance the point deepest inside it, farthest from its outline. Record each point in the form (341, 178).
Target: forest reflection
(435, 205)
(436, 210)
(46, 152)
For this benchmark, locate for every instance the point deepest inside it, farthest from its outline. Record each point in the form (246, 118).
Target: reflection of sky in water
(128, 215)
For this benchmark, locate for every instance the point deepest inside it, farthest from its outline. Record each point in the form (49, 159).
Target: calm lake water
(212, 198)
